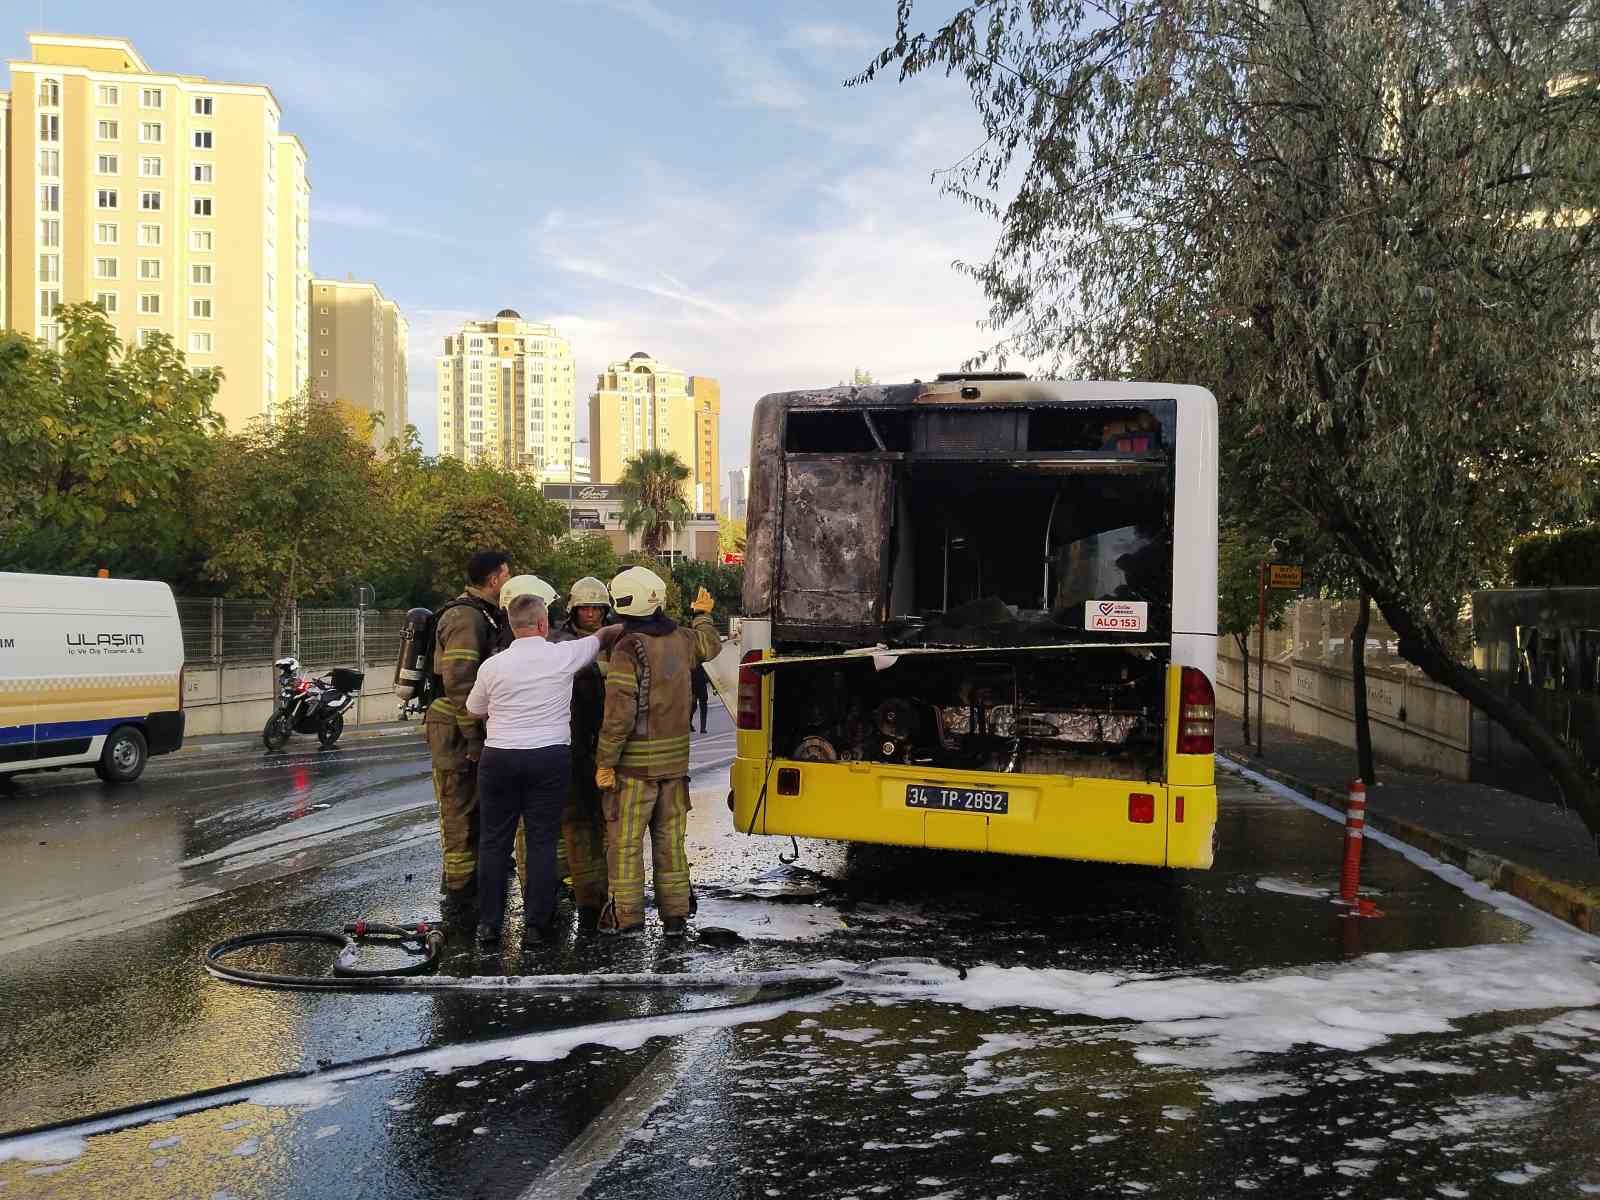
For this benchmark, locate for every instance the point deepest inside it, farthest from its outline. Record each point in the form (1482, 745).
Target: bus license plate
(955, 799)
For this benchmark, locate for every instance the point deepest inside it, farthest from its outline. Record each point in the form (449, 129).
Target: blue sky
(689, 178)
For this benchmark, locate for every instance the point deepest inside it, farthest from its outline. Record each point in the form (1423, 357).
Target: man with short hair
(524, 694)
(468, 630)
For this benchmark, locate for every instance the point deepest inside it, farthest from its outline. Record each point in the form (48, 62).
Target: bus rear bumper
(1052, 816)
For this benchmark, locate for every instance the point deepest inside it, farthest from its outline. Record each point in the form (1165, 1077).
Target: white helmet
(287, 664)
(588, 591)
(526, 585)
(638, 592)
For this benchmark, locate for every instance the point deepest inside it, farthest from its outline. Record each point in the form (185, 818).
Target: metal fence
(221, 631)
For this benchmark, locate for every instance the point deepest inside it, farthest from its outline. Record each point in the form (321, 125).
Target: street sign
(733, 560)
(1285, 576)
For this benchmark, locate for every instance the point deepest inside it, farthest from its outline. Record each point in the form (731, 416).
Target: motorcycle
(310, 705)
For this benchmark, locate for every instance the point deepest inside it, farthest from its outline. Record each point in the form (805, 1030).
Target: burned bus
(980, 613)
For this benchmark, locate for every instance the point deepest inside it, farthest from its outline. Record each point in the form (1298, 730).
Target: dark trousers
(701, 701)
(529, 786)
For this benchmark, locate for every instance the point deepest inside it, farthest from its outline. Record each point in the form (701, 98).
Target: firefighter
(528, 585)
(642, 757)
(582, 824)
(468, 630)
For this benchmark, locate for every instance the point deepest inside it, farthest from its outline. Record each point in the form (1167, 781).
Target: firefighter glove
(703, 603)
(605, 778)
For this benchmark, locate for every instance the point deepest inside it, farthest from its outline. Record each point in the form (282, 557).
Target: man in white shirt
(524, 694)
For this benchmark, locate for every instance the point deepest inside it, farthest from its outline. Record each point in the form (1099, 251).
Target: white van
(91, 673)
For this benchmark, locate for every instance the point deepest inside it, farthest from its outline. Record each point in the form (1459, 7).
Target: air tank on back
(410, 668)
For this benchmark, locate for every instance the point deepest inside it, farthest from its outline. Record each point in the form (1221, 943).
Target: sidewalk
(1539, 852)
(215, 743)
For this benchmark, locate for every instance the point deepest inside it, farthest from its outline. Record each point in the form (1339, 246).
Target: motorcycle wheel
(275, 733)
(332, 727)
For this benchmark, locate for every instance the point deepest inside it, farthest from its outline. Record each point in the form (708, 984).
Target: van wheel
(124, 756)
(332, 727)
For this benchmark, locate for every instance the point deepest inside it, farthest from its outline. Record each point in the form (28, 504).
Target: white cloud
(356, 216)
(830, 37)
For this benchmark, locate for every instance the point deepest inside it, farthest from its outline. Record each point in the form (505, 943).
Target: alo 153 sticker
(1119, 616)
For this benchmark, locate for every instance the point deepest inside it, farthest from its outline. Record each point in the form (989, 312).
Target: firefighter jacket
(645, 732)
(466, 635)
(588, 698)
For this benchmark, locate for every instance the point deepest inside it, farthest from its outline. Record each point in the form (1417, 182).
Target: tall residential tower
(358, 352)
(507, 395)
(173, 201)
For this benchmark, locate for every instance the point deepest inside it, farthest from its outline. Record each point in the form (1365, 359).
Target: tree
(858, 378)
(1239, 558)
(730, 536)
(578, 555)
(286, 507)
(1380, 210)
(98, 449)
(652, 497)
(725, 582)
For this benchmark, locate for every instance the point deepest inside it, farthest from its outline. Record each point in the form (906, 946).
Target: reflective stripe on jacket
(645, 731)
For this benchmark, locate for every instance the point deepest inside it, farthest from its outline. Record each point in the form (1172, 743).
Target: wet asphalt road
(994, 1026)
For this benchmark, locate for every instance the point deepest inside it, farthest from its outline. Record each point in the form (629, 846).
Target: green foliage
(652, 497)
(858, 378)
(724, 582)
(1569, 559)
(578, 555)
(99, 449)
(1239, 559)
(285, 506)
(730, 536)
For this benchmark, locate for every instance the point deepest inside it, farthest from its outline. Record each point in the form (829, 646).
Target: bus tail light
(749, 691)
(1142, 808)
(1197, 713)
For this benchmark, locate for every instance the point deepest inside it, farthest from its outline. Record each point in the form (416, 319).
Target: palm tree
(652, 497)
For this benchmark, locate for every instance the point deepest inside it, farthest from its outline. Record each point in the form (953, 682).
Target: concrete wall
(1415, 723)
(237, 697)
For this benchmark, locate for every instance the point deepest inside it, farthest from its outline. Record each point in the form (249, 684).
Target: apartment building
(175, 202)
(507, 395)
(738, 502)
(705, 403)
(358, 352)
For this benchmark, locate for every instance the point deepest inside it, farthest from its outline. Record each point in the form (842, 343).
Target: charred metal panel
(835, 518)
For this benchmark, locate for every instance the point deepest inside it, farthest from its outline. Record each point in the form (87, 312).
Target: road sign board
(1284, 575)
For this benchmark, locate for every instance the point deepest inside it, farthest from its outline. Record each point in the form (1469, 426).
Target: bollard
(1355, 821)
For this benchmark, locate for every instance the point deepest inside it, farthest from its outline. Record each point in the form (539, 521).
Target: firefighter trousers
(583, 836)
(632, 807)
(455, 787)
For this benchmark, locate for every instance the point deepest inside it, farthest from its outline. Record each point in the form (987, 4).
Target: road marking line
(572, 1171)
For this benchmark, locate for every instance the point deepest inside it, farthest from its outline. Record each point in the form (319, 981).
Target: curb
(358, 733)
(1577, 906)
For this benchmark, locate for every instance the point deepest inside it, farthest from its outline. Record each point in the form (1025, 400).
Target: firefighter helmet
(638, 592)
(588, 591)
(526, 585)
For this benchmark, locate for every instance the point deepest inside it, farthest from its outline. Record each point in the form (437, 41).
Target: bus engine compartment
(1084, 711)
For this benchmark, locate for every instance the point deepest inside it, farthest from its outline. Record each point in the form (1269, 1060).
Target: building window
(323, 311)
(105, 268)
(202, 172)
(202, 206)
(106, 302)
(49, 127)
(150, 304)
(105, 164)
(202, 139)
(107, 131)
(150, 98)
(200, 273)
(49, 268)
(149, 268)
(147, 337)
(150, 201)
(106, 233)
(50, 93)
(49, 301)
(149, 235)
(202, 106)
(200, 343)
(322, 373)
(106, 198)
(323, 352)
(107, 93)
(50, 233)
(150, 166)
(50, 162)
(50, 197)
(200, 308)
(150, 131)
(323, 331)
(200, 239)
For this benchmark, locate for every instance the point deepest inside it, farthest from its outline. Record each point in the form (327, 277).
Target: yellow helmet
(526, 585)
(588, 591)
(638, 592)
